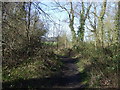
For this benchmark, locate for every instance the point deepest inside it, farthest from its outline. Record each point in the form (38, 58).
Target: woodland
(87, 57)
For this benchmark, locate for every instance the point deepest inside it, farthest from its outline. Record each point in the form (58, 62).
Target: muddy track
(69, 77)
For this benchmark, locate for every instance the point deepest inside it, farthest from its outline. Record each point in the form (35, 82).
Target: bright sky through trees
(59, 23)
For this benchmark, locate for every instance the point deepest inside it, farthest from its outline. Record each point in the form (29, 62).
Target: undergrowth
(100, 64)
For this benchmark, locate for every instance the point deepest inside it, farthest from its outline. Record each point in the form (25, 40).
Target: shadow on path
(69, 77)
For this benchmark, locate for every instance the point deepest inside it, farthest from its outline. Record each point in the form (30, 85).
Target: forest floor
(68, 77)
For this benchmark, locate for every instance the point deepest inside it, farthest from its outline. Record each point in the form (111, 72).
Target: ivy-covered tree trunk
(81, 29)
(82, 23)
(72, 31)
(83, 17)
(100, 23)
(71, 16)
(71, 25)
(28, 24)
(117, 23)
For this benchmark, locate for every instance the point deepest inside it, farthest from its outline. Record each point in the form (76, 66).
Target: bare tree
(98, 28)
(71, 18)
(94, 25)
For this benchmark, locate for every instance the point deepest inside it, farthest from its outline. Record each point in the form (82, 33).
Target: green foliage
(16, 46)
(101, 64)
(26, 55)
(44, 65)
(23, 58)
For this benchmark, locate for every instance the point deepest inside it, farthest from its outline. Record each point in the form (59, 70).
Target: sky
(59, 18)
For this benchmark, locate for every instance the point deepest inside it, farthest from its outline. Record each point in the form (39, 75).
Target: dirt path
(69, 77)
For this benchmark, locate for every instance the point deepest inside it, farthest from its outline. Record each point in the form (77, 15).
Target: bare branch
(89, 28)
(95, 14)
(88, 9)
(103, 9)
(63, 8)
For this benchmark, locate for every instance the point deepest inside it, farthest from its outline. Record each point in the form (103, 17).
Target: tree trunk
(83, 17)
(100, 23)
(72, 31)
(119, 21)
(71, 25)
(28, 25)
(117, 25)
(28, 28)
